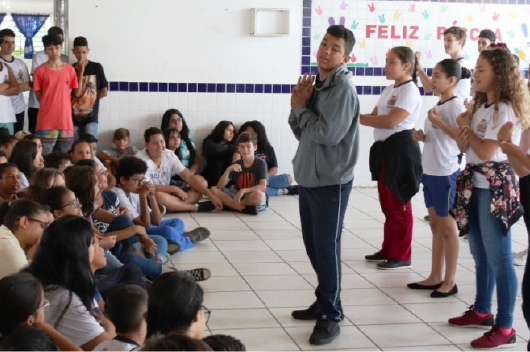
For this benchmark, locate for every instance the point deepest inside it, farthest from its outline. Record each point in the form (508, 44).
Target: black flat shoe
(438, 294)
(418, 286)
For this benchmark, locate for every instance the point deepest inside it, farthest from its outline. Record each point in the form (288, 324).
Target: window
(21, 40)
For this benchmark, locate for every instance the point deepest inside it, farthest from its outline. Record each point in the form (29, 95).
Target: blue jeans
(173, 231)
(276, 184)
(492, 252)
(125, 249)
(90, 128)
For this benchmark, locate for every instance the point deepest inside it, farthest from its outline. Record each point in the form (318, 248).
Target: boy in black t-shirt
(86, 107)
(247, 177)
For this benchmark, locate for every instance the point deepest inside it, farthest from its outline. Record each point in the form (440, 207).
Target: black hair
(20, 298)
(184, 134)
(6, 138)
(174, 301)
(28, 338)
(62, 260)
(246, 137)
(174, 342)
(31, 137)
(86, 162)
(55, 159)
(339, 31)
(40, 181)
(167, 133)
(51, 39)
(80, 41)
(458, 32)
(6, 32)
(224, 343)
(55, 30)
(23, 155)
(218, 132)
(11, 212)
(129, 166)
(88, 137)
(488, 34)
(5, 166)
(259, 129)
(125, 305)
(451, 68)
(406, 55)
(81, 180)
(151, 132)
(121, 133)
(53, 197)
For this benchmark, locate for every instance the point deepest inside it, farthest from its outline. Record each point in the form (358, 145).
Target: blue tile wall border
(306, 66)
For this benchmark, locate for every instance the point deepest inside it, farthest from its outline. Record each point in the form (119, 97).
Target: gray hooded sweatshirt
(327, 128)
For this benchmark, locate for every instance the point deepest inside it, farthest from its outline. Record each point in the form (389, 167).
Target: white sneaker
(519, 259)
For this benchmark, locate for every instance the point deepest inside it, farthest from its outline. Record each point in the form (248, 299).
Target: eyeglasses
(45, 306)
(138, 180)
(74, 203)
(43, 224)
(175, 120)
(207, 313)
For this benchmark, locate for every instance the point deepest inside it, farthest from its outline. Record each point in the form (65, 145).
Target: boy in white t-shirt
(454, 41)
(7, 47)
(126, 307)
(162, 165)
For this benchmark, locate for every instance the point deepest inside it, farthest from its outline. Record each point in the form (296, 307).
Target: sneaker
(519, 259)
(310, 313)
(205, 207)
(197, 235)
(199, 274)
(293, 190)
(172, 247)
(251, 210)
(494, 339)
(471, 320)
(324, 332)
(375, 258)
(392, 264)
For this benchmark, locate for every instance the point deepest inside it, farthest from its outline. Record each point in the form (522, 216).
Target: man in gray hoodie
(325, 120)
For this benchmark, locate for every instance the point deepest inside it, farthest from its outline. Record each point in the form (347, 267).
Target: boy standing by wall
(53, 84)
(20, 70)
(94, 87)
(325, 120)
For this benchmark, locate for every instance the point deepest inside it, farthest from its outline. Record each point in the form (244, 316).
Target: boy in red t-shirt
(53, 83)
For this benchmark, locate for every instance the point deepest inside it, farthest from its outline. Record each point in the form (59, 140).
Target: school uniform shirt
(131, 201)
(485, 126)
(86, 107)
(7, 113)
(170, 166)
(24, 183)
(38, 59)
(76, 324)
(119, 343)
(440, 151)
(13, 256)
(21, 72)
(463, 87)
(185, 155)
(55, 112)
(405, 96)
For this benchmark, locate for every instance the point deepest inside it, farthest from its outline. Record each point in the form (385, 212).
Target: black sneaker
(293, 190)
(324, 332)
(251, 210)
(393, 264)
(310, 313)
(197, 235)
(199, 274)
(172, 247)
(375, 258)
(205, 207)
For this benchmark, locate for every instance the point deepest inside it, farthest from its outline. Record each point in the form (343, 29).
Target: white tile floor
(260, 273)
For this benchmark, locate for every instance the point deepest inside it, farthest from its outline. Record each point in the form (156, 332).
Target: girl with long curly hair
(488, 192)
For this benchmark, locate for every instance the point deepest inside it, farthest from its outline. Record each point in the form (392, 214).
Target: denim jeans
(125, 249)
(276, 184)
(90, 128)
(492, 252)
(173, 231)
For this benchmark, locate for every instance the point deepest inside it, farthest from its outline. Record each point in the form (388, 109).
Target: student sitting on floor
(248, 178)
(111, 157)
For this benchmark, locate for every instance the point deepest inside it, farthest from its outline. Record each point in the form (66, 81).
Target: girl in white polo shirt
(440, 170)
(393, 120)
(487, 201)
